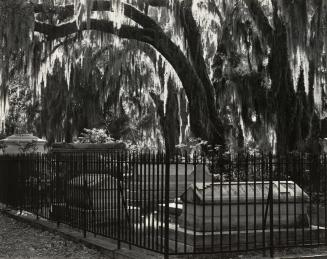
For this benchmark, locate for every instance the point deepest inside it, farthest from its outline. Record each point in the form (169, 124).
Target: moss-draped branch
(203, 123)
(67, 11)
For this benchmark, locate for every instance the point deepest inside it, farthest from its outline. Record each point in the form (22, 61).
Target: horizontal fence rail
(179, 204)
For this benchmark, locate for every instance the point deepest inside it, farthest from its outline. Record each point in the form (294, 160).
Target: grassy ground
(19, 240)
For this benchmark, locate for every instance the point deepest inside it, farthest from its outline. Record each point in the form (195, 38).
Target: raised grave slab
(241, 205)
(101, 191)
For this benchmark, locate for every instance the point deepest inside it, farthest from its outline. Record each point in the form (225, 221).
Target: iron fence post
(84, 193)
(38, 186)
(167, 180)
(119, 177)
(56, 193)
(84, 209)
(271, 206)
(20, 175)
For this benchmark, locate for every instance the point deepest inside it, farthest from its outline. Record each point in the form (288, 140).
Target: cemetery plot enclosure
(178, 204)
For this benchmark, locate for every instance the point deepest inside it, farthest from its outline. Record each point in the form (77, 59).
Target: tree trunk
(282, 91)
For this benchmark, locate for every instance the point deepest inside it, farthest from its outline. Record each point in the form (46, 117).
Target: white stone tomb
(23, 143)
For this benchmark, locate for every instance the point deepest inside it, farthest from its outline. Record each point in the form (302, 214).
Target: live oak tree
(250, 85)
(203, 117)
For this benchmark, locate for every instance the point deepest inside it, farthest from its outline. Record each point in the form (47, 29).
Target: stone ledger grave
(226, 215)
(243, 205)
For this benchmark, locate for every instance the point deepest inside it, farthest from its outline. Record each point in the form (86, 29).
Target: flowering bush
(100, 136)
(140, 146)
(95, 136)
(192, 146)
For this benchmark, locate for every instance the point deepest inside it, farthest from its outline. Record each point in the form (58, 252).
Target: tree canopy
(233, 73)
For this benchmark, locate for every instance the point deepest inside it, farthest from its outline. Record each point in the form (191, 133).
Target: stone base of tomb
(242, 216)
(77, 215)
(183, 240)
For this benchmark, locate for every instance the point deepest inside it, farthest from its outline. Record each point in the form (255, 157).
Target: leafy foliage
(16, 26)
(24, 112)
(98, 136)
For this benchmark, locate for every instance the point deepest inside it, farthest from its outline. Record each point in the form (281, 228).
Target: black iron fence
(175, 205)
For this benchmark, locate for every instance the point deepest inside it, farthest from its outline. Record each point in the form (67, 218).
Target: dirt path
(19, 240)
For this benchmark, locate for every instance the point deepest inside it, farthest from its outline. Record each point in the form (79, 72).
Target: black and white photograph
(182, 129)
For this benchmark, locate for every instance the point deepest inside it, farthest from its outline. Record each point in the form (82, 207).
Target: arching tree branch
(129, 11)
(153, 37)
(67, 11)
(201, 107)
(202, 125)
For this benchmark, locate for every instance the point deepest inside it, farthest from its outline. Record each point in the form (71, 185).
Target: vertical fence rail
(271, 206)
(167, 193)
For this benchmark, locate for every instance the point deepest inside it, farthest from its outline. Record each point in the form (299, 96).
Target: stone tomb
(241, 206)
(229, 216)
(23, 143)
(99, 200)
(99, 192)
